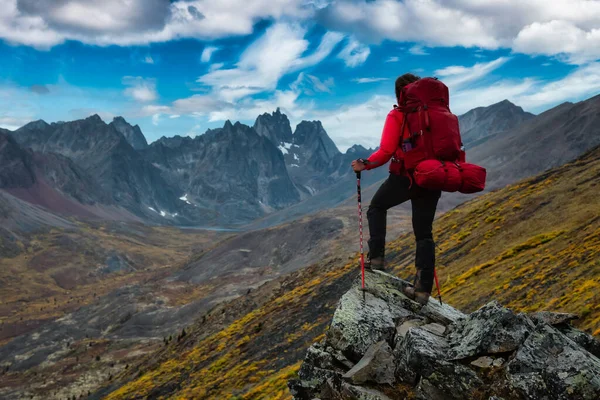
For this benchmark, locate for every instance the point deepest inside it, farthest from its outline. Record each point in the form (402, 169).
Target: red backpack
(432, 145)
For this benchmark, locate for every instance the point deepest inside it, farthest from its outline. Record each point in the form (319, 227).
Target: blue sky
(181, 67)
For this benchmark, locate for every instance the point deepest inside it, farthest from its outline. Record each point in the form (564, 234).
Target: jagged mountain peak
(357, 148)
(133, 134)
(312, 133)
(482, 123)
(501, 105)
(508, 105)
(174, 141)
(38, 125)
(275, 126)
(505, 102)
(95, 118)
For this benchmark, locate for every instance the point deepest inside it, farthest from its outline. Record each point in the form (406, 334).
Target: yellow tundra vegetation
(243, 361)
(532, 246)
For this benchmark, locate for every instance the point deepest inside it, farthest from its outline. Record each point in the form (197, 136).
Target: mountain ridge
(169, 189)
(482, 123)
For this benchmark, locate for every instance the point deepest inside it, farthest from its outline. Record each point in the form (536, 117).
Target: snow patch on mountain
(285, 147)
(185, 198)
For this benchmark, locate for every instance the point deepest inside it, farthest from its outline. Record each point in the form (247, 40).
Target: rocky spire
(133, 134)
(276, 127)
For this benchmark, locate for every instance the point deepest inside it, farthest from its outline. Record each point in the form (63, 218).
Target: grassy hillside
(56, 271)
(248, 348)
(533, 246)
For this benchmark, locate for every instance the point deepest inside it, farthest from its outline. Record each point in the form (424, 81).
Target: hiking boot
(425, 263)
(375, 263)
(421, 289)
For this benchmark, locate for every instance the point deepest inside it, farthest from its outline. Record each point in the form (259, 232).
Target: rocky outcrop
(380, 341)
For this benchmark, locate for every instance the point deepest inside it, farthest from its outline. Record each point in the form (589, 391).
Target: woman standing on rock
(397, 189)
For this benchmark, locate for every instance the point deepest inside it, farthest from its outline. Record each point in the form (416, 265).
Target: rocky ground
(381, 345)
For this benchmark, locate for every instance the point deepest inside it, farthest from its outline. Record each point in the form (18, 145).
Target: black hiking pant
(394, 191)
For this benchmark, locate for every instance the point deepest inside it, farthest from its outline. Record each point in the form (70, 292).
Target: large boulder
(380, 343)
(492, 329)
(377, 365)
(558, 365)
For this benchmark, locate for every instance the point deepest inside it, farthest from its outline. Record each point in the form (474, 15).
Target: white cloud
(358, 123)
(207, 53)
(155, 119)
(44, 24)
(278, 52)
(418, 50)
(456, 76)
(532, 94)
(393, 59)
(354, 53)
(230, 93)
(462, 101)
(12, 123)
(19, 105)
(193, 132)
(198, 104)
(362, 123)
(148, 60)
(140, 89)
(564, 28)
(568, 28)
(430, 22)
(152, 109)
(310, 84)
(369, 80)
(583, 82)
(216, 66)
(247, 109)
(560, 37)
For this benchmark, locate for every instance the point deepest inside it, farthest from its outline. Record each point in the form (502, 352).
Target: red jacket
(390, 145)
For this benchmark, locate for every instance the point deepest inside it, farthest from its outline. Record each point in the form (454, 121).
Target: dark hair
(404, 80)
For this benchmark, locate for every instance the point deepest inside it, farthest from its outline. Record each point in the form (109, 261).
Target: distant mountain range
(539, 143)
(265, 174)
(229, 175)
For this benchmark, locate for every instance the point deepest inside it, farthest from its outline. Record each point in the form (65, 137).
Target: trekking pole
(437, 284)
(360, 231)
